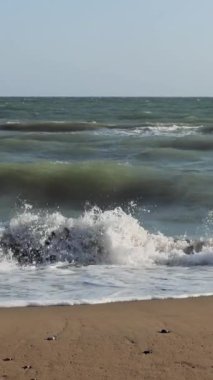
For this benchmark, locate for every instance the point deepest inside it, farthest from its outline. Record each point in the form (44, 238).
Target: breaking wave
(110, 237)
(141, 126)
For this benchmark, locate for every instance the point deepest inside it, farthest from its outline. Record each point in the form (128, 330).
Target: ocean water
(105, 199)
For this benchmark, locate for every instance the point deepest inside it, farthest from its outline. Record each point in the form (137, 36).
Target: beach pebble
(164, 331)
(146, 352)
(51, 337)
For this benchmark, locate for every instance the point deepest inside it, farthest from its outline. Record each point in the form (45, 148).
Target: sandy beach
(109, 341)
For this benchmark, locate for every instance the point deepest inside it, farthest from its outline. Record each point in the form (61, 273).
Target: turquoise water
(116, 184)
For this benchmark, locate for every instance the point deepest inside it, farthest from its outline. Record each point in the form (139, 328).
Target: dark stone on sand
(147, 352)
(27, 367)
(51, 338)
(164, 331)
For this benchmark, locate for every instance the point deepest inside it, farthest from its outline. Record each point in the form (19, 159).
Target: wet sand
(109, 341)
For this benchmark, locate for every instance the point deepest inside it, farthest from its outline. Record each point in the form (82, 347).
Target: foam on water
(128, 262)
(149, 129)
(159, 129)
(110, 237)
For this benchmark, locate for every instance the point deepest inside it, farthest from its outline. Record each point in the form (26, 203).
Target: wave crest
(97, 237)
(103, 184)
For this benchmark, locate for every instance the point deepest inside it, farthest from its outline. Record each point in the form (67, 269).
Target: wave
(138, 116)
(159, 129)
(103, 183)
(96, 301)
(110, 237)
(153, 154)
(193, 142)
(141, 138)
(207, 129)
(60, 126)
(147, 127)
(50, 126)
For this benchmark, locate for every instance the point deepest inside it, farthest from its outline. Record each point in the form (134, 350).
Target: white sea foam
(159, 129)
(129, 263)
(151, 129)
(37, 303)
(110, 237)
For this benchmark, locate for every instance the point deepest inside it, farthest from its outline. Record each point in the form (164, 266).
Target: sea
(105, 199)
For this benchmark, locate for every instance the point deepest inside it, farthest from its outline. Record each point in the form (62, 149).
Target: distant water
(101, 198)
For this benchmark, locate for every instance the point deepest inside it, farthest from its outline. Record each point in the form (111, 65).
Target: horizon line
(106, 96)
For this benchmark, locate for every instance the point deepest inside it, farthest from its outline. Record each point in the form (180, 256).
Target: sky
(106, 47)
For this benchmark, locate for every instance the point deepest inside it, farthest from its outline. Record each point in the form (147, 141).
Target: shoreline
(118, 340)
(37, 304)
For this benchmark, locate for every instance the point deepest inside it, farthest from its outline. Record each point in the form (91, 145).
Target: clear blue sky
(106, 47)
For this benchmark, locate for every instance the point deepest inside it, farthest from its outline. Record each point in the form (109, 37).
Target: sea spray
(96, 237)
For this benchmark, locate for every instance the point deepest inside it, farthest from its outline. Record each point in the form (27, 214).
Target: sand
(108, 341)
